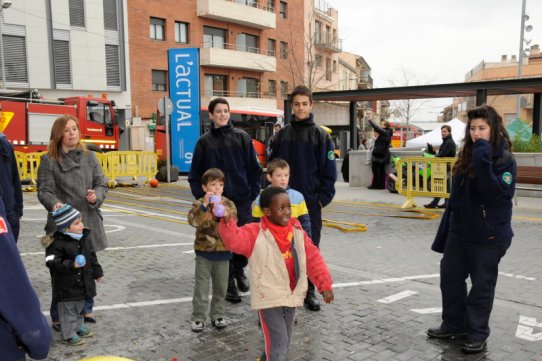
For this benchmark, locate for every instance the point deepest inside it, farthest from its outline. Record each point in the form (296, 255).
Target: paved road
(386, 285)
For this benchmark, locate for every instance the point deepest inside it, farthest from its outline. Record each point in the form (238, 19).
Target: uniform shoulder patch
(331, 155)
(507, 177)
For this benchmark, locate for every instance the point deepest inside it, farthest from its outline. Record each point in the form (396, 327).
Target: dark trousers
(15, 224)
(87, 308)
(379, 175)
(277, 327)
(244, 216)
(462, 311)
(315, 213)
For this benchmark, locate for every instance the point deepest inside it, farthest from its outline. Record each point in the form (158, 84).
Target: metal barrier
(425, 177)
(129, 164)
(114, 164)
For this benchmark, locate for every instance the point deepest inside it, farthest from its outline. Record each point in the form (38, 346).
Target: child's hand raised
(328, 296)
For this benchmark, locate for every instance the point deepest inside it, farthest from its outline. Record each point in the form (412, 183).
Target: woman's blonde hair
(54, 149)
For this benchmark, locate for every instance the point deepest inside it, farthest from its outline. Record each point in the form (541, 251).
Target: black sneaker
(311, 303)
(470, 346)
(242, 281)
(438, 332)
(430, 206)
(441, 206)
(232, 294)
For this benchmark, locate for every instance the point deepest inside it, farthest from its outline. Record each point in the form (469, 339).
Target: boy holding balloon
(74, 269)
(212, 258)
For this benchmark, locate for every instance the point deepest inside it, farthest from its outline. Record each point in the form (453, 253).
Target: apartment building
(67, 48)
(246, 48)
(506, 68)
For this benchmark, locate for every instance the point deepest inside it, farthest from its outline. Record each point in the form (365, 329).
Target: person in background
(10, 185)
(70, 174)
(277, 127)
(212, 257)
(446, 149)
(475, 231)
(23, 328)
(380, 156)
(345, 167)
(281, 257)
(230, 150)
(308, 149)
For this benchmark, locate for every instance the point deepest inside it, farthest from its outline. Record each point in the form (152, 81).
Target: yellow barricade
(129, 164)
(28, 164)
(425, 177)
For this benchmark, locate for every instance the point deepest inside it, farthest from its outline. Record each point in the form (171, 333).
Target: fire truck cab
(27, 120)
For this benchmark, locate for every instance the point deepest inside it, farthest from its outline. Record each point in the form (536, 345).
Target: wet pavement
(385, 279)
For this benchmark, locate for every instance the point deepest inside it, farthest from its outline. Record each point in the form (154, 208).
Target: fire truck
(27, 120)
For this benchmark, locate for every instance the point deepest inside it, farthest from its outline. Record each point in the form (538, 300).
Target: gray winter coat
(67, 181)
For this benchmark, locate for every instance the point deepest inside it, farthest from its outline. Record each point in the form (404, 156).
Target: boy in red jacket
(281, 256)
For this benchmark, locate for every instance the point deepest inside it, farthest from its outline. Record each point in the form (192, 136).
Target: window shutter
(15, 63)
(110, 14)
(77, 13)
(112, 65)
(61, 56)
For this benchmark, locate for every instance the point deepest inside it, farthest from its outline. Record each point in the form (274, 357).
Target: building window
(181, 32)
(159, 80)
(317, 32)
(318, 60)
(328, 69)
(283, 89)
(77, 13)
(271, 5)
(271, 46)
(253, 3)
(157, 30)
(15, 61)
(283, 9)
(214, 37)
(283, 50)
(248, 87)
(248, 43)
(334, 66)
(61, 56)
(272, 88)
(110, 15)
(112, 65)
(216, 85)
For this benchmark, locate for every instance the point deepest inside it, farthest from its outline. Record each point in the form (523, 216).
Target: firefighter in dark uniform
(475, 231)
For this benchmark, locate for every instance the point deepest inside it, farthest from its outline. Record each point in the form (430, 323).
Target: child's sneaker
(219, 323)
(84, 332)
(74, 341)
(197, 326)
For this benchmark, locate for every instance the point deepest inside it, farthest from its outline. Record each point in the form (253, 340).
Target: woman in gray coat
(69, 173)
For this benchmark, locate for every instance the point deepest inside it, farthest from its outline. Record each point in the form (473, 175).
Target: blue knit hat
(65, 216)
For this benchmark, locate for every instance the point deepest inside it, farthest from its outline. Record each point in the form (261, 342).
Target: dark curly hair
(267, 195)
(498, 135)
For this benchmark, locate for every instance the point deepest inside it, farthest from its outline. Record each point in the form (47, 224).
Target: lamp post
(3, 5)
(524, 28)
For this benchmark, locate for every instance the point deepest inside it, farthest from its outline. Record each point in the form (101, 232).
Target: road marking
(526, 328)
(425, 311)
(124, 248)
(385, 280)
(155, 229)
(137, 211)
(517, 276)
(116, 228)
(188, 252)
(397, 296)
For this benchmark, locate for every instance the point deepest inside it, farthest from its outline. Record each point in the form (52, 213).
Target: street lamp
(4, 4)
(524, 28)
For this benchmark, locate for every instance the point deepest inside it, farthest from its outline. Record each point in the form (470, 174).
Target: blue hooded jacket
(23, 328)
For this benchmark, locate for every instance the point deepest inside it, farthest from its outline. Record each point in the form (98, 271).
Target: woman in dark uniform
(475, 230)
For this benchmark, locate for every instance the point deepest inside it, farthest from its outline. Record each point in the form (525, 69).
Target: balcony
(252, 15)
(233, 56)
(326, 41)
(365, 82)
(241, 99)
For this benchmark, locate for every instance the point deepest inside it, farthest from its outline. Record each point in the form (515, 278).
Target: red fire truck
(27, 120)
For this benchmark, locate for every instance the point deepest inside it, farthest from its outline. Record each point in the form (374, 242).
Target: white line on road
(425, 311)
(517, 276)
(385, 280)
(140, 211)
(397, 296)
(125, 248)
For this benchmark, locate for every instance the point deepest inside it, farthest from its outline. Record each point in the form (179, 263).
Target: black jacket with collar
(480, 207)
(447, 148)
(70, 283)
(230, 150)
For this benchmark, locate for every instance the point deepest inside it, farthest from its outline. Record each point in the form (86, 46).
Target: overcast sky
(437, 40)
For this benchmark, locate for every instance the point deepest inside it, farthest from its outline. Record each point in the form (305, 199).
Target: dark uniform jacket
(230, 150)
(70, 283)
(446, 149)
(480, 207)
(23, 328)
(10, 184)
(308, 149)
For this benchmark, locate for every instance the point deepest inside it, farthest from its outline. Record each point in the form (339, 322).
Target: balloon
(215, 198)
(218, 210)
(80, 259)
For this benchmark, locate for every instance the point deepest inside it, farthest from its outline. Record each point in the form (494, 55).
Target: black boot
(310, 300)
(232, 295)
(242, 281)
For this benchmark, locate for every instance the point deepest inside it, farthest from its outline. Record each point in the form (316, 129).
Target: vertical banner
(185, 95)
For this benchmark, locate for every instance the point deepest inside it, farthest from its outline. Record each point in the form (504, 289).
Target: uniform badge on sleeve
(331, 155)
(3, 226)
(507, 177)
